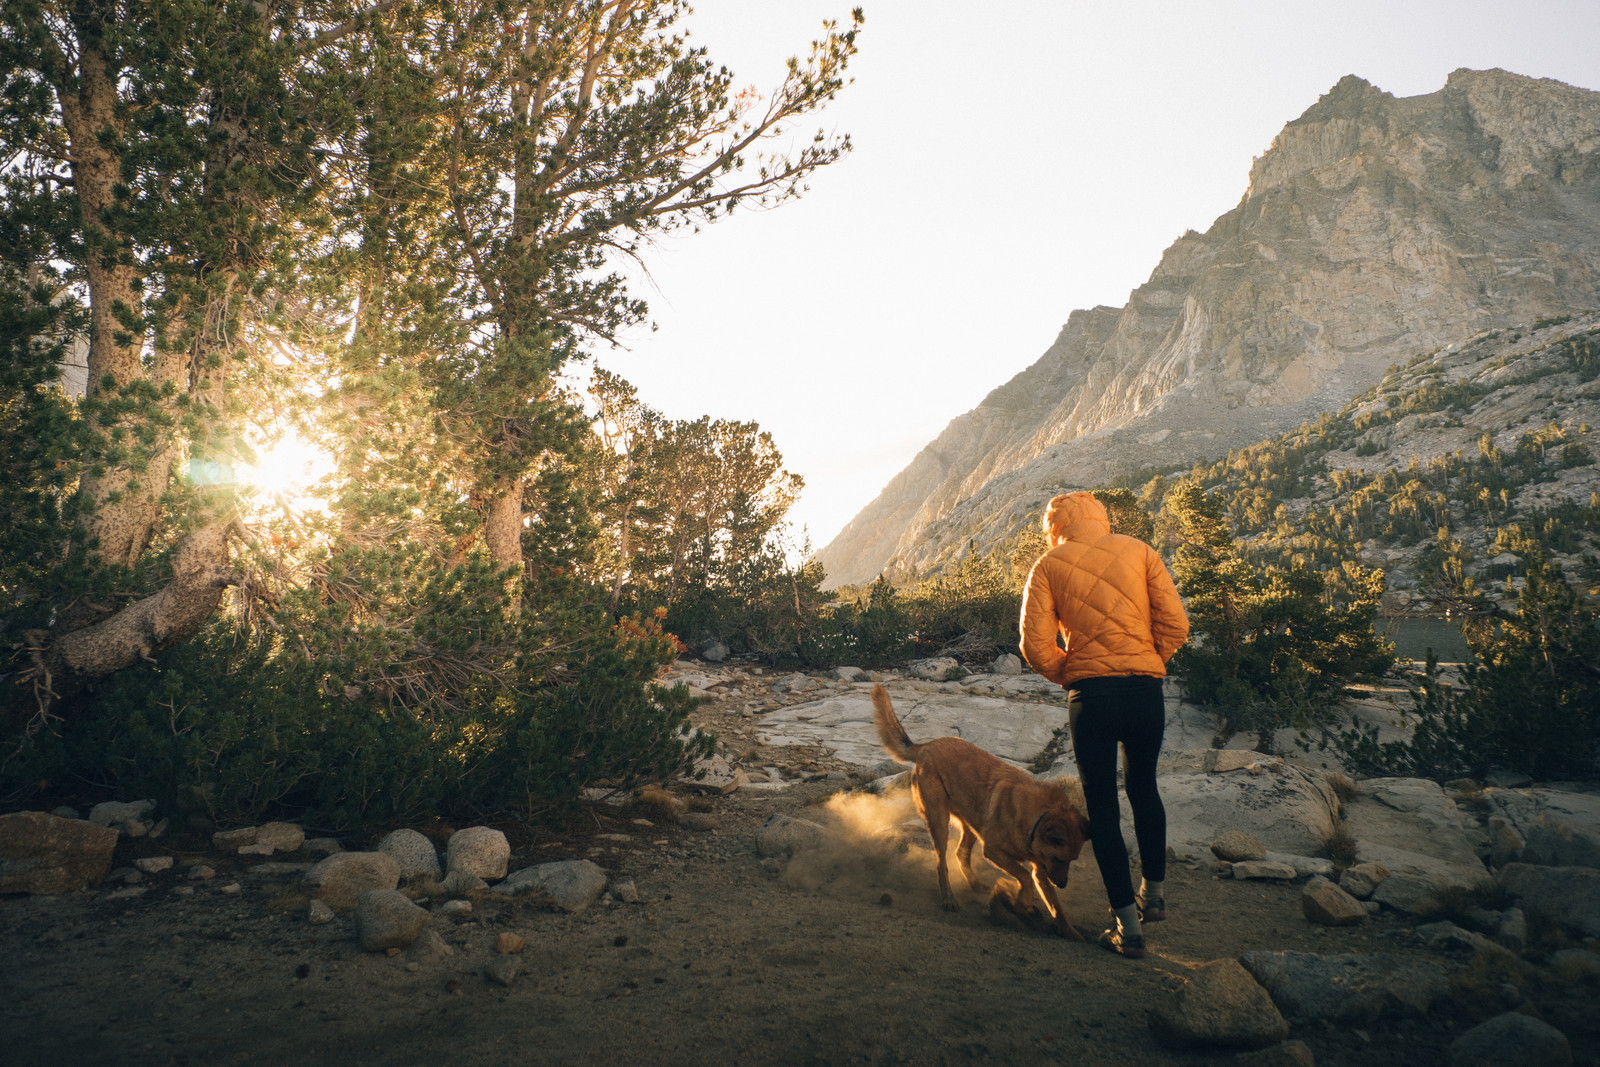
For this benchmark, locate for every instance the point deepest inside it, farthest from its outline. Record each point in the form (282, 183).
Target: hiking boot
(1129, 945)
(1153, 910)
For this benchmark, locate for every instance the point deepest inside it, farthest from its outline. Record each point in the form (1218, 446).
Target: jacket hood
(1077, 517)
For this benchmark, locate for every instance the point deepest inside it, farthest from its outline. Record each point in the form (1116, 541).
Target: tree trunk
(502, 524)
(124, 496)
(200, 574)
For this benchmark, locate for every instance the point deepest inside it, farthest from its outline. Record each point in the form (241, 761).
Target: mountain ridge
(1372, 228)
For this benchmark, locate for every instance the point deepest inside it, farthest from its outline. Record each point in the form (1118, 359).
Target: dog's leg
(1047, 893)
(934, 806)
(969, 837)
(1027, 896)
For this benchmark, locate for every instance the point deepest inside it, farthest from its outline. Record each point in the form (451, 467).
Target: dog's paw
(1067, 930)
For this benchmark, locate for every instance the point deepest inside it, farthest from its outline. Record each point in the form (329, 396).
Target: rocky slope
(1373, 228)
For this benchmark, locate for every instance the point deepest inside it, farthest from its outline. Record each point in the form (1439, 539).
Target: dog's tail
(890, 732)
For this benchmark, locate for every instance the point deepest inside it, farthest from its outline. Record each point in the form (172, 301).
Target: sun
(287, 470)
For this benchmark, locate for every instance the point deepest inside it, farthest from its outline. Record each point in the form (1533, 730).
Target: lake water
(1413, 637)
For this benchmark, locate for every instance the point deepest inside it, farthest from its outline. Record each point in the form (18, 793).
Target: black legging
(1128, 710)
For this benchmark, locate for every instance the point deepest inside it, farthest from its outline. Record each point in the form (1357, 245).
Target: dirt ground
(728, 958)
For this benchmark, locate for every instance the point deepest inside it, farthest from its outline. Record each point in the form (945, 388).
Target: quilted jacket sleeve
(1169, 623)
(1040, 626)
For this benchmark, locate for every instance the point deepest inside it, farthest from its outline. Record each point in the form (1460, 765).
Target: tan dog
(1028, 828)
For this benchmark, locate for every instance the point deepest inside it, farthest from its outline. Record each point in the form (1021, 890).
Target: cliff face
(1373, 229)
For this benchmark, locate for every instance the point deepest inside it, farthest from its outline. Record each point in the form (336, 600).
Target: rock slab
(1511, 1040)
(571, 885)
(1350, 988)
(43, 853)
(1220, 1005)
(1569, 896)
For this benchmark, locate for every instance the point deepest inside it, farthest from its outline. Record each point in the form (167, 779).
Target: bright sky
(1013, 161)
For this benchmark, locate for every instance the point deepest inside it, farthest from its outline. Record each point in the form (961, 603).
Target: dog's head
(1058, 839)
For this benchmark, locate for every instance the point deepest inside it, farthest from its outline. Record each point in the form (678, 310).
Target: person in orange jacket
(1113, 605)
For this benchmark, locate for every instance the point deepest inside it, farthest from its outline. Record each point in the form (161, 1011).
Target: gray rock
(318, 913)
(456, 907)
(1505, 841)
(626, 892)
(1220, 1004)
(341, 878)
(1006, 663)
(1511, 1040)
(387, 918)
(153, 864)
(1413, 828)
(1573, 965)
(322, 846)
(159, 829)
(1351, 988)
(1448, 937)
(1226, 760)
(1501, 778)
(1238, 847)
(1513, 930)
(232, 840)
(795, 683)
(478, 850)
(715, 652)
(460, 884)
(1263, 869)
(429, 947)
(1554, 843)
(65, 812)
(1288, 1054)
(937, 669)
(571, 885)
(1410, 893)
(1568, 896)
(782, 835)
(1304, 866)
(1359, 881)
(849, 674)
(502, 970)
(42, 853)
(1323, 902)
(414, 853)
(280, 837)
(120, 813)
(1545, 826)
(274, 868)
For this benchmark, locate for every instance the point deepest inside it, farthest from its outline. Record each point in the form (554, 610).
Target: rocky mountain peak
(1374, 228)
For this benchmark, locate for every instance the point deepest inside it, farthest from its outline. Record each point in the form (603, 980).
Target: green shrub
(1529, 702)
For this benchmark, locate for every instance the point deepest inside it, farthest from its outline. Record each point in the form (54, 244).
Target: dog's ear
(1079, 826)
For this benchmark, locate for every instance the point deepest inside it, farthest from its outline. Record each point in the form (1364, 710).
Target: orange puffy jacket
(1108, 595)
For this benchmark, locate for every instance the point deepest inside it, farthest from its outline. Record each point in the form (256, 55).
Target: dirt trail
(729, 958)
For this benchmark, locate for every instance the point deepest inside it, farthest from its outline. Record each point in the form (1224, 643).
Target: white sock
(1149, 890)
(1128, 921)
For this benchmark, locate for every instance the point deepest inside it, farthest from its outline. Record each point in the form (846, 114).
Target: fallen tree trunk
(63, 663)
